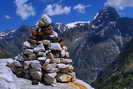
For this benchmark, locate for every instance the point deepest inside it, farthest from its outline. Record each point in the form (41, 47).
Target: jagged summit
(105, 15)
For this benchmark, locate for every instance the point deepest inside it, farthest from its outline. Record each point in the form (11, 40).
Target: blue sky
(14, 13)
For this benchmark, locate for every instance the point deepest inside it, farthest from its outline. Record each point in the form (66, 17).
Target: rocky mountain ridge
(93, 45)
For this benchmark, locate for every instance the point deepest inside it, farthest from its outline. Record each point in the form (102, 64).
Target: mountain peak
(107, 14)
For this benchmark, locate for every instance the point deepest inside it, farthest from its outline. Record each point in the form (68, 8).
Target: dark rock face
(119, 74)
(93, 45)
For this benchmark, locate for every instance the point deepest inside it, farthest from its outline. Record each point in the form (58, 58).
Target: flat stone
(64, 78)
(35, 65)
(55, 46)
(50, 68)
(39, 48)
(66, 61)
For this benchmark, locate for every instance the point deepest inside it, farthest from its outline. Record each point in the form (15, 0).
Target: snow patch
(96, 16)
(3, 34)
(74, 24)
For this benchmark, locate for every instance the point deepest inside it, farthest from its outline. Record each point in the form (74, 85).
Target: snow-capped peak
(74, 24)
(3, 34)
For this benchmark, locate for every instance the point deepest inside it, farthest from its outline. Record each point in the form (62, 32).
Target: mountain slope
(119, 74)
(93, 45)
(11, 41)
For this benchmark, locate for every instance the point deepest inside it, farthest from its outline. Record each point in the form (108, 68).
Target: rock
(27, 64)
(28, 51)
(31, 57)
(19, 58)
(39, 48)
(50, 56)
(62, 65)
(46, 42)
(54, 34)
(66, 61)
(42, 59)
(35, 65)
(73, 74)
(65, 68)
(27, 44)
(55, 46)
(64, 78)
(49, 78)
(63, 53)
(56, 60)
(28, 56)
(36, 75)
(42, 54)
(9, 81)
(51, 68)
(47, 61)
(67, 55)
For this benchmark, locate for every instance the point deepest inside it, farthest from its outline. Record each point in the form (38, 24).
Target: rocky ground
(9, 81)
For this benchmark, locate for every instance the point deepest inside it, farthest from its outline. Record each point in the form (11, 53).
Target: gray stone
(42, 54)
(36, 75)
(55, 46)
(49, 78)
(27, 44)
(39, 48)
(66, 61)
(35, 65)
(56, 60)
(50, 68)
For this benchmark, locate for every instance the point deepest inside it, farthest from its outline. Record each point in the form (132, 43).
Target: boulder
(64, 78)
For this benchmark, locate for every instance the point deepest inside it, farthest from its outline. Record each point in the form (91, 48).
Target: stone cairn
(44, 59)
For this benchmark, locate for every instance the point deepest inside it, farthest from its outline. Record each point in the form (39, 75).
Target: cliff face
(93, 45)
(119, 74)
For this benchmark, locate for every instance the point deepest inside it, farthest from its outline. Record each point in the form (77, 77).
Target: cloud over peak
(119, 4)
(57, 9)
(24, 9)
(81, 8)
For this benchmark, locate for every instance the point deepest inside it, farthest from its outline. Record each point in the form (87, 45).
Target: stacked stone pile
(44, 59)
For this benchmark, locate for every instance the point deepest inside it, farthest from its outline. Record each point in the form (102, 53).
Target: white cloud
(7, 17)
(81, 8)
(119, 4)
(57, 9)
(24, 9)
